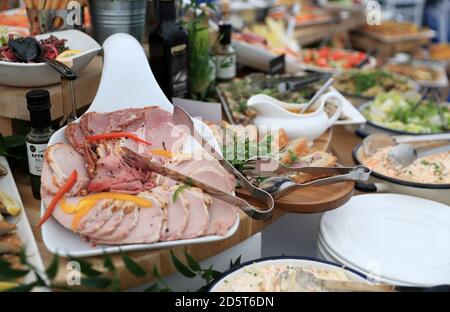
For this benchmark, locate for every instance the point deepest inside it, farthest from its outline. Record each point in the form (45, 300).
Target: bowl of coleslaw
(264, 275)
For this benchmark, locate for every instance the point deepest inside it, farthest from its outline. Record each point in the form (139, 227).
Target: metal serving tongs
(182, 118)
(279, 184)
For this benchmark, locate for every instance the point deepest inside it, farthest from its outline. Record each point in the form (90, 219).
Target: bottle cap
(38, 104)
(38, 100)
(225, 33)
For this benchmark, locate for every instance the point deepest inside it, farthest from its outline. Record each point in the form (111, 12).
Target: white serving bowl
(303, 262)
(41, 74)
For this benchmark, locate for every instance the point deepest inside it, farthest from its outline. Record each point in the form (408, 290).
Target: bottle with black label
(225, 54)
(38, 104)
(169, 52)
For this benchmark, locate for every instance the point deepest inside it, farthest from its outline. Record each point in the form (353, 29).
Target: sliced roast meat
(221, 217)
(198, 220)
(114, 174)
(177, 216)
(63, 218)
(127, 120)
(95, 123)
(48, 183)
(148, 228)
(205, 169)
(95, 218)
(76, 136)
(162, 132)
(111, 225)
(62, 160)
(130, 220)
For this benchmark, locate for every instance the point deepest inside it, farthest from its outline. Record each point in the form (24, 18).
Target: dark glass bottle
(169, 52)
(38, 104)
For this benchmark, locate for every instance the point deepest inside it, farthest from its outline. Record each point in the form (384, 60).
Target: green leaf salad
(395, 111)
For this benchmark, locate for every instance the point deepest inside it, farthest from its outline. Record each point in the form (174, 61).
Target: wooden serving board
(316, 198)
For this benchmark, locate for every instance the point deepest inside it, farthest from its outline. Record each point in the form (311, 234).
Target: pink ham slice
(114, 174)
(110, 225)
(198, 213)
(221, 217)
(129, 221)
(75, 135)
(177, 216)
(161, 130)
(206, 169)
(95, 218)
(48, 184)
(63, 218)
(148, 228)
(62, 160)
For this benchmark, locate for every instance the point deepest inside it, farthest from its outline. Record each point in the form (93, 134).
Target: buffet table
(341, 146)
(307, 35)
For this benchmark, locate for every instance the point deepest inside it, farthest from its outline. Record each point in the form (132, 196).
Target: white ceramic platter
(425, 34)
(294, 65)
(8, 186)
(41, 74)
(325, 253)
(125, 83)
(289, 261)
(406, 238)
(354, 116)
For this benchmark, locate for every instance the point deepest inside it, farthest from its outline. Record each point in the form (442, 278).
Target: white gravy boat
(272, 112)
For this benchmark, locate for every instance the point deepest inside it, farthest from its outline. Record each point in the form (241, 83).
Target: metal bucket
(110, 17)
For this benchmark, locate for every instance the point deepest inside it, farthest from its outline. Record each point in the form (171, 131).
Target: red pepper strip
(60, 194)
(116, 135)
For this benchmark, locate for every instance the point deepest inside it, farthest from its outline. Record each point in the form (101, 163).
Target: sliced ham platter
(117, 201)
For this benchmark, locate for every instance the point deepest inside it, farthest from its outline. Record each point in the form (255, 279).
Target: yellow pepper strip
(88, 202)
(79, 215)
(141, 202)
(161, 152)
(66, 207)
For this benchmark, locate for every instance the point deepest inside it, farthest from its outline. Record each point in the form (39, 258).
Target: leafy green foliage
(13, 146)
(108, 279)
(133, 267)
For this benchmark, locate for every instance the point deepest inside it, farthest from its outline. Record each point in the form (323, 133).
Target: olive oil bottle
(169, 52)
(38, 104)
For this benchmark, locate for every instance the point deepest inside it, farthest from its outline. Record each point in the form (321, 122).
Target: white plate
(440, 82)
(41, 74)
(350, 111)
(126, 82)
(24, 231)
(291, 261)
(294, 65)
(425, 34)
(325, 253)
(406, 237)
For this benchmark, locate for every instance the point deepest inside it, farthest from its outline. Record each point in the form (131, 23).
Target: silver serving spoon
(299, 279)
(379, 140)
(318, 94)
(405, 154)
(282, 186)
(29, 50)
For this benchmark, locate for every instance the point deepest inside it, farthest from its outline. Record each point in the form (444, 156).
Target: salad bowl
(41, 74)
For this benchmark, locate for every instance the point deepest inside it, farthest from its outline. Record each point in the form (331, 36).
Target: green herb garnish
(178, 191)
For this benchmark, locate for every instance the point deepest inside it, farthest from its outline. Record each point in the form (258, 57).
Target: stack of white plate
(392, 238)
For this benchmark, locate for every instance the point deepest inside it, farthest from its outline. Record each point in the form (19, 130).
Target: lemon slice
(68, 54)
(7, 285)
(11, 206)
(67, 57)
